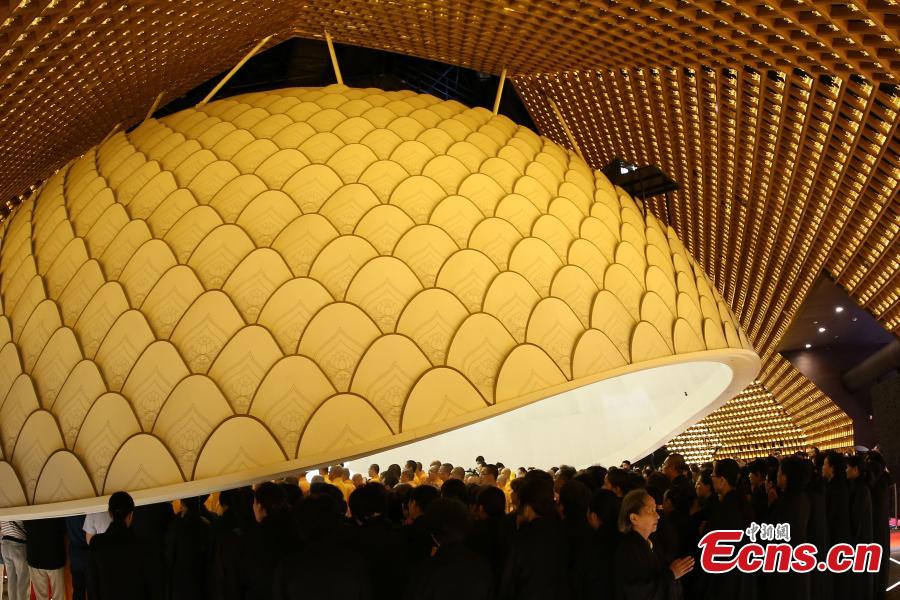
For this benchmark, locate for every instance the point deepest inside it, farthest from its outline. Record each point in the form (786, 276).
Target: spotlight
(821, 330)
(808, 346)
(838, 309)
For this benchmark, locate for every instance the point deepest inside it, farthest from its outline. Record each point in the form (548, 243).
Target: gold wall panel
(287, 278)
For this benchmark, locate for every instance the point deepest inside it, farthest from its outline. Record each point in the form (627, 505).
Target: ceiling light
(808, 346)
(838, 309)
(821, 330)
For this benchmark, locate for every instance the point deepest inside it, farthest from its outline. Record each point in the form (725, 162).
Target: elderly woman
(640, 574)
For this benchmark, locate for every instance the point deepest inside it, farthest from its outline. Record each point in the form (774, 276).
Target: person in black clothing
(416, 537)
(227, 535)
(151, 522)
(594, 575)
(640, 572)
(454, 489)
(759, 497)
(860, 521)
(378, 541)
(880, 484)
(537, 565)
(837, 509)
(817, 527)
(274, 537)
(665, 538)
(121, 566)
(683, 494)
(485, 536)
(438, 577)
(322, 569)
(791, 507)
(574, 503)
(732, 512)
(187, 549)
(45, 551)
(79, 555)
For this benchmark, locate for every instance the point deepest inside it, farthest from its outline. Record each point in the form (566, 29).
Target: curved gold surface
(294, 277)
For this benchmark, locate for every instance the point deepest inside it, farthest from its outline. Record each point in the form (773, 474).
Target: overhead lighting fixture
(808, 346)
(821, 330)
(838, 309)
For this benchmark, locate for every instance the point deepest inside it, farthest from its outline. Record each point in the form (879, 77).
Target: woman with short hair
(640, 574)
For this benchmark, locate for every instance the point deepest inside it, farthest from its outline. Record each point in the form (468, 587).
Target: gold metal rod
(154, 106)
(234, 70)
(565, 127)
(110, 134)
(334, 62)
(499, 91)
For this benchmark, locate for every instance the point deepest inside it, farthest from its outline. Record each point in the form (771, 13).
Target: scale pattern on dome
(295, 275)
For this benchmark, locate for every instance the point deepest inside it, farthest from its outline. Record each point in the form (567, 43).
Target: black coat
(594, 574)
(454, 572)
(417, 542)
(640, 572)
(820, 585)
(123, 567)
(837, 509)
(45, 544)
(187, 550)
(266, 546)
(485, 541)
(759, 500)
(792, 508)
(228, 536)
(861, 533)
(537, 566)
(731, 512)
(881, 513)
(324, 571)
(379, 542)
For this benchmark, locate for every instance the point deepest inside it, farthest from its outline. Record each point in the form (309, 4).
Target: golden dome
(289, 278)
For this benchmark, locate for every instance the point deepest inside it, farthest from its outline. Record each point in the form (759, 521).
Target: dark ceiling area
(299, 62)
(843, 350)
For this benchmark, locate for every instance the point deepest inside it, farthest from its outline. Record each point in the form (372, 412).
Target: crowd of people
(484, 533)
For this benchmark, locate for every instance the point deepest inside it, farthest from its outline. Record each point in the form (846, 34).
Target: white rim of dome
(743, 364)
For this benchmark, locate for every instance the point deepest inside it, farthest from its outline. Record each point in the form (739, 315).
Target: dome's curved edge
(744, 365)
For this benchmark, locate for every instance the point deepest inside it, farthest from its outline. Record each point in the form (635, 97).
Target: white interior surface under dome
(622, 418)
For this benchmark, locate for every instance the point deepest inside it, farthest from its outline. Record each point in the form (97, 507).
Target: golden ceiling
(778, 120)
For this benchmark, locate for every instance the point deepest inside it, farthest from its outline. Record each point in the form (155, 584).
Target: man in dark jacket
(378, 541)
(187, 549)
(880, 484)
(416, 537)
(837, 509)
(537, 565)
(227, 536)
(438, 577)
(45, 549)
(322, 568)
(732, 512)
(121, 566)
(274, 537)
(820, 586)
(791, 507)
(860, 521)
